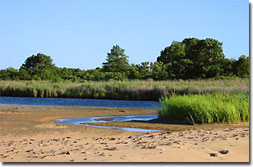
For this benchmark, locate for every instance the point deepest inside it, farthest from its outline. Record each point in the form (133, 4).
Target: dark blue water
(80, 121)
(80, 102)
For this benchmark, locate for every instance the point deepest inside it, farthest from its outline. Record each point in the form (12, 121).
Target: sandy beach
(28, 135)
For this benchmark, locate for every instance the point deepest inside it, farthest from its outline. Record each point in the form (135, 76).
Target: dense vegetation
(190, 59)
(206, 108)
(197, 83)
(124, 90)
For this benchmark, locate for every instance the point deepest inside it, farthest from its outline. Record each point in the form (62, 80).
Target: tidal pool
(84, 120)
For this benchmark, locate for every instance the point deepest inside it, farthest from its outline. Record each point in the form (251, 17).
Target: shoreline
(28, 135)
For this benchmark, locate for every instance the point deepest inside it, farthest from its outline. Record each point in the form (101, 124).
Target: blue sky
(80, 33)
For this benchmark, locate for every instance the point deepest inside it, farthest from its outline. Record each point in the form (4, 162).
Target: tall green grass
(123, 90)
(206, 108)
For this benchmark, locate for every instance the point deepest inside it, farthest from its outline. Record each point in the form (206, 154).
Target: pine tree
(117, 60)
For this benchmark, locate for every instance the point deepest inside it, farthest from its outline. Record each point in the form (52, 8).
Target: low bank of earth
(28, 135)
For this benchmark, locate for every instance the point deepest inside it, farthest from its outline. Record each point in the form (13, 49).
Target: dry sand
(28, 135)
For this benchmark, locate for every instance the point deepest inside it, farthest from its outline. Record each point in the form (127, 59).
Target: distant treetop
(39, 61)
(116, 61)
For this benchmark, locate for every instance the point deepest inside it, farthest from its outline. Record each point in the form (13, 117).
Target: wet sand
(28, 135)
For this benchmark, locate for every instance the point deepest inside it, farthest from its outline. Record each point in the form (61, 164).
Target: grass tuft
(206, 108)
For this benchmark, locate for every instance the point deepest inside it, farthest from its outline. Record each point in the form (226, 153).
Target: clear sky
(80, 33)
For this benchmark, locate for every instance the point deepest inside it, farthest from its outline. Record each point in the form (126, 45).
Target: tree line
(190, 59)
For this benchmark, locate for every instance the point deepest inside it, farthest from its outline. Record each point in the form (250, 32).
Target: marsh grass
(122, 90)
(206, 108)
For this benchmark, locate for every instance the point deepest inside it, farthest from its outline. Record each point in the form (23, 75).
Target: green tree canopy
(117, 60)
(39, 67)
(241, 67)
(193, 58)
(40, 61)
(158, 70)
(9, 74)
(175, 58)
(228, 67)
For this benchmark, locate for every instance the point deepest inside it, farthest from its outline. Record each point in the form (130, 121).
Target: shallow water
(80, 102)
(79, 121)
(91, 103)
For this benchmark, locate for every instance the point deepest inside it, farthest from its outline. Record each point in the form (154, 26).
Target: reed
(123, 90)
(206, 108)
